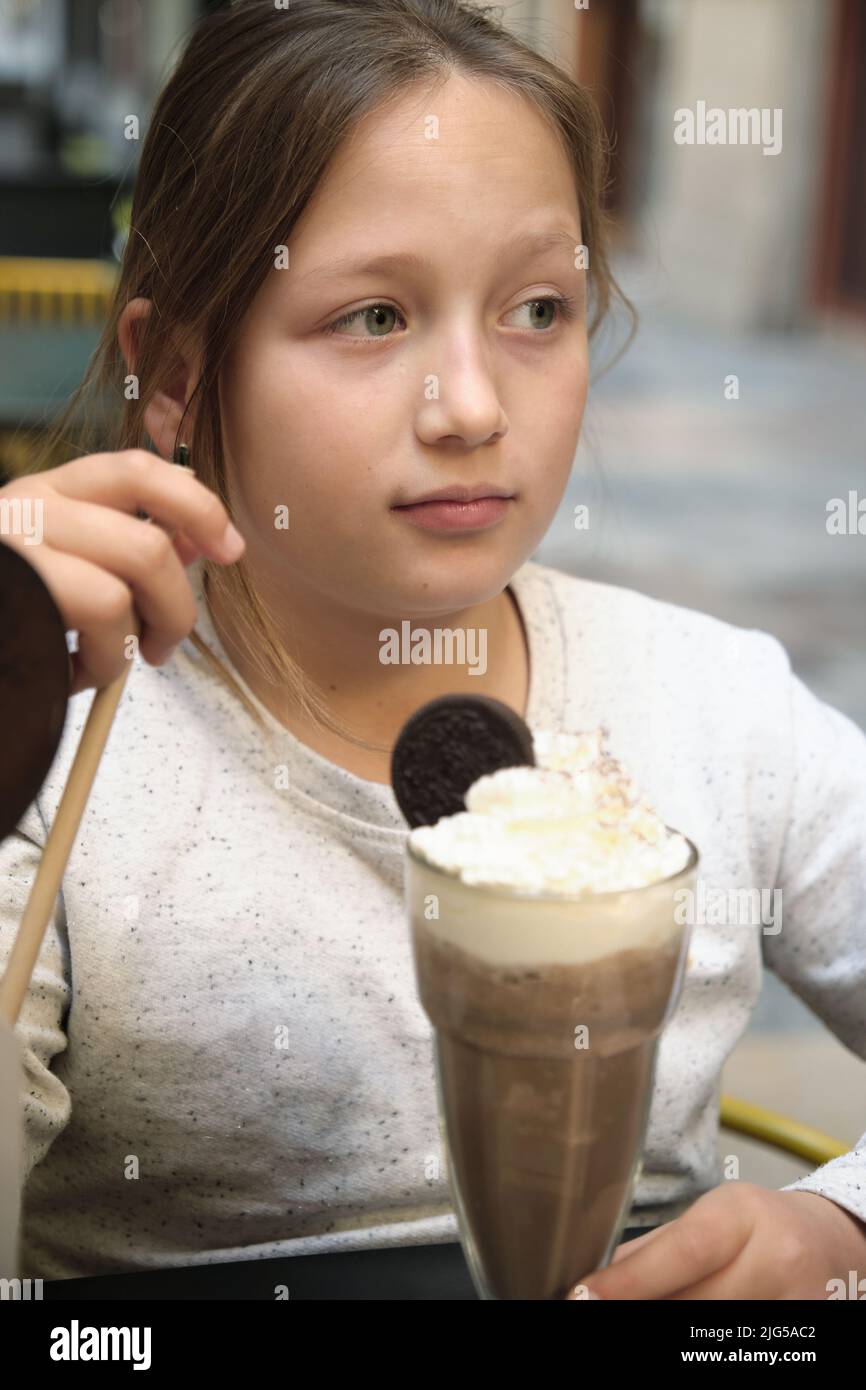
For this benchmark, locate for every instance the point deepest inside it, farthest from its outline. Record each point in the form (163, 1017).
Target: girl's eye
(565, 306)
(375, 316)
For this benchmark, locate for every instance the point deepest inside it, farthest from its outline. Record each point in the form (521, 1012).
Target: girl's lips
(456, 516)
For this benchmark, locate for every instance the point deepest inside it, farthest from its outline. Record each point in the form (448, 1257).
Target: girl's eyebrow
(529, 243)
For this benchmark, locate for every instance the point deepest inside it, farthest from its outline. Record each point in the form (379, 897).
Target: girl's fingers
(135, 480)
(622, 1252)
(703, 1240)
(138, 553)
(186, 550)
(101, 613)
(115, 532)
(628, 1247)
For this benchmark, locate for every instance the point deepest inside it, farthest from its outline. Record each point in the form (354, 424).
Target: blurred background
(712, 492)
(710, 451)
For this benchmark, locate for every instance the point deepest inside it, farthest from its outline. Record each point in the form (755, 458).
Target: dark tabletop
(402, 1272)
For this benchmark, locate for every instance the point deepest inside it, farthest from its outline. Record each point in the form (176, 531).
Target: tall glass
(547, 1013)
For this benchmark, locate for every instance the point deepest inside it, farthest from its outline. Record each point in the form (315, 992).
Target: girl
(356, 277)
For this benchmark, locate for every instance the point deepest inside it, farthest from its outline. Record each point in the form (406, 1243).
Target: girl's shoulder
(603, 617)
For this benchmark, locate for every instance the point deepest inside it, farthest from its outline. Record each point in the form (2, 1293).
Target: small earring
(181, 457)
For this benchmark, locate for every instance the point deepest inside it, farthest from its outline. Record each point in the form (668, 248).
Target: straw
(46, 885)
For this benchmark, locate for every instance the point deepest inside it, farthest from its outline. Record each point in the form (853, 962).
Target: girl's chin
(426, 590)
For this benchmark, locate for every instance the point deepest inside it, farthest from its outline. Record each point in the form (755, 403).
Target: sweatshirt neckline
(369, 807)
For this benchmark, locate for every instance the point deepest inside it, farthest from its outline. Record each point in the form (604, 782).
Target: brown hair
(240, 137)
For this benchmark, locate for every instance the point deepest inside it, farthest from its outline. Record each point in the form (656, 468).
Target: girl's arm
(820, 951)
(41, 1023)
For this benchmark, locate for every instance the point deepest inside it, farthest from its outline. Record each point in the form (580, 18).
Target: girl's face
(340, 411)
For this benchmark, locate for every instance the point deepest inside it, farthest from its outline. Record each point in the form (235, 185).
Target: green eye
(374, 321)
(375, 317)
(534, 305)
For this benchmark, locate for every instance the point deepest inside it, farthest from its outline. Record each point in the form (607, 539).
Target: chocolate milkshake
(548, 958)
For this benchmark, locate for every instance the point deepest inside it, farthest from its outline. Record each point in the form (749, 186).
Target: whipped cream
(573, 824)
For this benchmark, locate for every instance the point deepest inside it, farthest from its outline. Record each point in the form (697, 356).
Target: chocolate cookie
(449, 743)
(35, 676)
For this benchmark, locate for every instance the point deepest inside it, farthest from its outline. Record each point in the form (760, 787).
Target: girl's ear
(165, 408)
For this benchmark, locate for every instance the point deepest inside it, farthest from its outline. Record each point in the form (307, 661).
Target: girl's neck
(374, 699)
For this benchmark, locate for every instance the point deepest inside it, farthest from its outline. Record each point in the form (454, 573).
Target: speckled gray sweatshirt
(225, 1055)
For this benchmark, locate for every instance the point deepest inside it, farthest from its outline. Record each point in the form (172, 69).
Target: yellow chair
(39, 290)
(780, 1131)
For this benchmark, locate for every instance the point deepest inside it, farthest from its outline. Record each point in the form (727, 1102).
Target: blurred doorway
(606, 61)
(840, 270)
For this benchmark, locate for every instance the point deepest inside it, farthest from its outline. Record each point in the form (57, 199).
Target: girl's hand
(739, 1241)
(99, 560)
